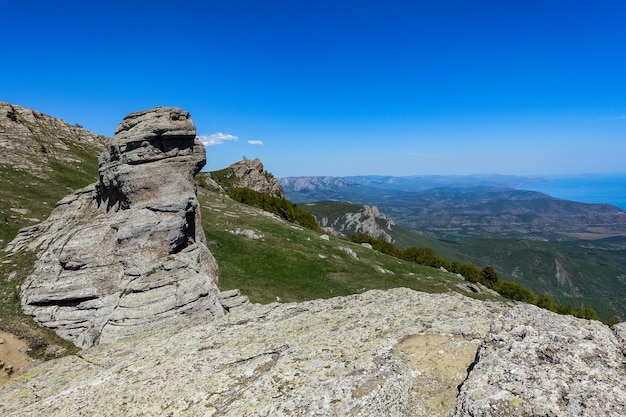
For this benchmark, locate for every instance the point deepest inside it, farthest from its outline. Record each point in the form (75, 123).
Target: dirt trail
(13, 358)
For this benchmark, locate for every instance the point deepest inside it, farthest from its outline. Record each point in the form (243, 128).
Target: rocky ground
(380, 353)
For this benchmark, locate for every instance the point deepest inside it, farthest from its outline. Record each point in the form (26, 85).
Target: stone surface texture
(380, 353)
(128, 253)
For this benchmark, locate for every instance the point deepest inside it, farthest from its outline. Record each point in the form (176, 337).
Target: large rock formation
(247, 173)
(367, 219)
(392, 353)
(128, 253)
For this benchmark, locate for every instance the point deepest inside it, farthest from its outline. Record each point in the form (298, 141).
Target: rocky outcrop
(368, 220)
(380, 353)
(128, 253)
(247, 173)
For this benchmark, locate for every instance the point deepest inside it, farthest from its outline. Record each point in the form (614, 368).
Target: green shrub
(422, 256)
(279, 206)
(515, 291)
(547, 302)
(470, 272)
(586, 313)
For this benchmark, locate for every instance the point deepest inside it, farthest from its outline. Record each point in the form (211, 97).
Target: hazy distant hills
(573, 251)
(457, 208)
(425, 182)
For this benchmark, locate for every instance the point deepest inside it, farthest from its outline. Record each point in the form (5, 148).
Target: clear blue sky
(340, 87)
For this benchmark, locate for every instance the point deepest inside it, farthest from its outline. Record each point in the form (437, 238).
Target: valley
(573, 251)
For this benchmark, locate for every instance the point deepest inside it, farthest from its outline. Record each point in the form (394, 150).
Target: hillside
(527, 236)
(289, 263)
(42, 159)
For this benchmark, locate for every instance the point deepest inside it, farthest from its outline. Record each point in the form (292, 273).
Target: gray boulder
(127, 254)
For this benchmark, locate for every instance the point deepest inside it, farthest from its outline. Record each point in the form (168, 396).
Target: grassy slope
(590, 273)
(295, 264)
(25, 199)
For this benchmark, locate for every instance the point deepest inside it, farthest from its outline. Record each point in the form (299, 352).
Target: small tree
(547, 302)
(489, 277)
(470, 272)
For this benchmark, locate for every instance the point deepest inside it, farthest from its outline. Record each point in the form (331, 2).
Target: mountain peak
(247, 173)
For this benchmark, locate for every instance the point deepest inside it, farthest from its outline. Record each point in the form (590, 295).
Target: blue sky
(340, 87)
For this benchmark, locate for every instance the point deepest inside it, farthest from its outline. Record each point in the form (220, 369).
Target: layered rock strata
(392, 353)
(128, 253)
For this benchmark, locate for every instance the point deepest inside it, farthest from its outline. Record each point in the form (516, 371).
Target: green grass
(27, 198)
(13, 270)
(295, 264)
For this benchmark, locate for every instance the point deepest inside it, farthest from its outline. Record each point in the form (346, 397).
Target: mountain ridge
(527, 236)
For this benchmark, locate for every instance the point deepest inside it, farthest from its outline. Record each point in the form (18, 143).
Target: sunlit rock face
(128, 253)
(396, 353)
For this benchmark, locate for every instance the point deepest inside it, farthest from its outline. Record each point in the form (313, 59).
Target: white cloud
(217, 138)
(255, 142)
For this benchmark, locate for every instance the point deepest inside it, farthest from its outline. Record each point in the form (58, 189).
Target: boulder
(128, 253)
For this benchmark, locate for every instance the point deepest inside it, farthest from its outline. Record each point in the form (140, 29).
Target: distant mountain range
(573, 251)
(458, 208)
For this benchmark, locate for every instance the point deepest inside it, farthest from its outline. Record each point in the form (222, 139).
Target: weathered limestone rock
(248, 173)
(127, 254)
(381, 353)
(534, 362)
(368, 220)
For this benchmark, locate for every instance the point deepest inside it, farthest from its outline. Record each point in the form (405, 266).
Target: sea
(608, 189)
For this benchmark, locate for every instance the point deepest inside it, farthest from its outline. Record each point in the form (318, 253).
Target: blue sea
(609, 189)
